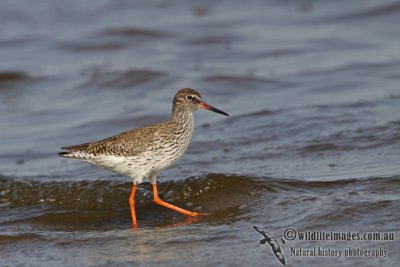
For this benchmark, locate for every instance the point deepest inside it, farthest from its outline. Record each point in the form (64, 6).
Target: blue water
(312, 142)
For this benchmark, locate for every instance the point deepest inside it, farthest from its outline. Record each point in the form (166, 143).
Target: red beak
(204, 105)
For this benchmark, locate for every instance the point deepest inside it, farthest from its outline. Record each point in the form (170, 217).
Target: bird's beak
(204, 105)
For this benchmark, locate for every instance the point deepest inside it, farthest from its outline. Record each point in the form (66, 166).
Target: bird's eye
(190, 97)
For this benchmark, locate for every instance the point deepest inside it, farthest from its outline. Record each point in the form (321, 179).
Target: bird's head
(190, 100)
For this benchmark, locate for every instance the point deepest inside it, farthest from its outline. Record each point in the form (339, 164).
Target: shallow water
(312, 142)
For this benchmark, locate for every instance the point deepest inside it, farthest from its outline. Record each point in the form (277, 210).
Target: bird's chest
(172, 148)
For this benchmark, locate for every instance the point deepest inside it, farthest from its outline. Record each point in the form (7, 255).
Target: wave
(111, 194)
(31, 205)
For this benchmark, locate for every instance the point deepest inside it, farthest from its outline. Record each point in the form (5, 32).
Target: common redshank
(143, 152)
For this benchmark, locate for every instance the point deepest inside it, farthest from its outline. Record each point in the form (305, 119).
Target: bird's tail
(75, 152)
(75, 155)
(67, 154)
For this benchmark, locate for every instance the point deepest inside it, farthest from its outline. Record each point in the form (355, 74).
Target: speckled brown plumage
(151, 148)
(142, 153)
(129, 143)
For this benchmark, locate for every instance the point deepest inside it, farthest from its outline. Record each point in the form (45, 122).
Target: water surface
(312, 142)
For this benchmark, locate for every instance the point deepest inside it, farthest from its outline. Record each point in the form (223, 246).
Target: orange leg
(132, 205)
(158, 201)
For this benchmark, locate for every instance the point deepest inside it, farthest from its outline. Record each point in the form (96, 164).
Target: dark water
(312, 143)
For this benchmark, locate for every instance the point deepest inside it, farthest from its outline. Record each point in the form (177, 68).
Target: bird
(141, 153)
(273, 242)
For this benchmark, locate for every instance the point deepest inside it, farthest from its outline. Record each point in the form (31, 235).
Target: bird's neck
(183, 118)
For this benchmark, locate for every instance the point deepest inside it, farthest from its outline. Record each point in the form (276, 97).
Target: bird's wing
(261, 231)
(277, 250)
(129, 143)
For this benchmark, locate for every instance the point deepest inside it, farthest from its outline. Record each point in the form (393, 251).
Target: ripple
(125, 79)
(132, 32)
(382, 10)
(237, 80)
(7, 77)
(319, 147)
